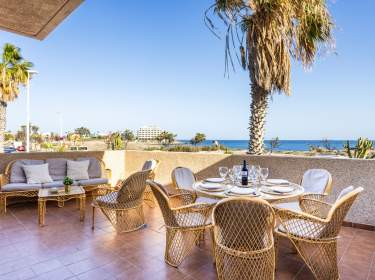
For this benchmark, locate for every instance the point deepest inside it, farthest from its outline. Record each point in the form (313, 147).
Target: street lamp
(28, 109)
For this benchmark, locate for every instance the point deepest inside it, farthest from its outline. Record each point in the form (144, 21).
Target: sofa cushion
(37, 173)
(20, 187)
(93, 181)
(95, 168)
(78, 170)
(17, 174)
(57, 168)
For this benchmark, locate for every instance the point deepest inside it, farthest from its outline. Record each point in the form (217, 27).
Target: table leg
(93, 218)
(60, 202)
(82, 204)
(41, 211)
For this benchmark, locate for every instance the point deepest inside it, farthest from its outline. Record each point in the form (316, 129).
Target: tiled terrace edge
(345, 172)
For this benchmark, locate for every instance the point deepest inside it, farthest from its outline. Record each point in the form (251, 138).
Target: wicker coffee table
(45, 195)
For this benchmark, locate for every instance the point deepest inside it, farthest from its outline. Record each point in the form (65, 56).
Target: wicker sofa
(13, 182)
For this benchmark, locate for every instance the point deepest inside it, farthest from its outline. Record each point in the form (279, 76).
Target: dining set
(244, 222)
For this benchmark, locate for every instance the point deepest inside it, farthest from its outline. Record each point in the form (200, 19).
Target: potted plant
(68, 182)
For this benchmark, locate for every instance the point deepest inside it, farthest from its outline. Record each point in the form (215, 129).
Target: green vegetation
(198, 138)
(275, 143)
(114, 141)
(84, 132)
(128, 135)
(361, 150)
(265, 35)
(13, 74)
(68, 181)
(166, 138)
(192, 149)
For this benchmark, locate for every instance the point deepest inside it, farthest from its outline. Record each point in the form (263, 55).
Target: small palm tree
(13, 74)
(265, 35)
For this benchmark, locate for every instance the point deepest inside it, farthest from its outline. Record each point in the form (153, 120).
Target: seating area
(191, 229)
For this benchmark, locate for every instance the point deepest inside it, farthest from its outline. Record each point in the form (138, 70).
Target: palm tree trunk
(258, 107)
(3, 115)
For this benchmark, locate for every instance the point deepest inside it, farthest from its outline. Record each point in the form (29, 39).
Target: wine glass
(232, 176)
(237, 172)
(264, 174)
(223, 171)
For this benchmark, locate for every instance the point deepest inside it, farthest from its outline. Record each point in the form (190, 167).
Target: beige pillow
(78, 170)
(37, 173)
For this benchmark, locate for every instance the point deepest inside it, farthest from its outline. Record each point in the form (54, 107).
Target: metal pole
(28, 113)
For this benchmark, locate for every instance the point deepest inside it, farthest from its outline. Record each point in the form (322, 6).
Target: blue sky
(123, 64)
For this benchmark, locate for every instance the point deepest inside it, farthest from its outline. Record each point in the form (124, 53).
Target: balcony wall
(345, 172)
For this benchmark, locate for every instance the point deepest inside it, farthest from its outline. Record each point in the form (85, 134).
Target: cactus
(361, 150)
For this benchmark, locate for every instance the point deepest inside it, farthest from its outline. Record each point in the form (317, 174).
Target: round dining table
(260, 192)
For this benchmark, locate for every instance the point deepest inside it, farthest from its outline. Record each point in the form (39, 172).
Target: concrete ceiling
(34, 18)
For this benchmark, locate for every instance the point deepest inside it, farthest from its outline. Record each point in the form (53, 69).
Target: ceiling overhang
(34, 18)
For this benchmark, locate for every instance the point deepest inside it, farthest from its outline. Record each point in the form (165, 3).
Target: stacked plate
(212, 187)
(277, 187)
(238, 191)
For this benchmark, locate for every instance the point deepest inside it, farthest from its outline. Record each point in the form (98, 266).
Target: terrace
(67, 248)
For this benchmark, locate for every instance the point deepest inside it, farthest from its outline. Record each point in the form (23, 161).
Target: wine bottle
(244, 174)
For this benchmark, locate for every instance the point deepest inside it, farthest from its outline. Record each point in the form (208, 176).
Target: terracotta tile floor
(68, 249)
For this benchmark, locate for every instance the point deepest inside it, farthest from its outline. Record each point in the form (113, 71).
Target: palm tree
(13, 74)
(265, 35)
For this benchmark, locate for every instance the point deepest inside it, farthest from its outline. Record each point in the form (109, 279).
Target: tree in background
(198, 138)
(274, 143)
(114, 141)
(8, 136)
(166, 137)
(128, 135)
(13, 74)
(84, 132)
(265, 35)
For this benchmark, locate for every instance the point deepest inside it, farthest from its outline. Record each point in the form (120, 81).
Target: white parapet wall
(345, 172)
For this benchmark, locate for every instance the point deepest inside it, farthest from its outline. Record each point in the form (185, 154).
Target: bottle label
(244, 173)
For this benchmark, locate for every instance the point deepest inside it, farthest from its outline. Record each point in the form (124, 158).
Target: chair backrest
(244, 224)
(317, 181)
(345, 192)
(183, 178)
(133, 187)
(338, 212)
(151, 164)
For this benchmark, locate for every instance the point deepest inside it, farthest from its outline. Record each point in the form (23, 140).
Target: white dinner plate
(241, 191)
(277, 182)
(212, 187)
(278, 190)
(214, 180)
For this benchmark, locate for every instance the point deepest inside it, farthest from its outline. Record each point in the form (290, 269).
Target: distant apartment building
(146, 133)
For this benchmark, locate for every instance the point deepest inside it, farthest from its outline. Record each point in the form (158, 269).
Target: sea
(285, 145)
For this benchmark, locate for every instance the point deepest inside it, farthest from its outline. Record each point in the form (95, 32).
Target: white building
(148, 133)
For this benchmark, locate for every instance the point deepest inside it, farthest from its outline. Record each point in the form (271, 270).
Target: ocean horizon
(285, 145)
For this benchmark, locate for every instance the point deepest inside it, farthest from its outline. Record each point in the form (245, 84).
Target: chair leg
(212, 245)
(276, 245)
(93, 218)
(179, 244)
(3, 204)
(320, 257)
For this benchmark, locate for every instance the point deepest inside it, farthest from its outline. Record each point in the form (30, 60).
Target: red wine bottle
(244, 174)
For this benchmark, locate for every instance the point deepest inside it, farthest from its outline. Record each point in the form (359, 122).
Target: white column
(28, 113)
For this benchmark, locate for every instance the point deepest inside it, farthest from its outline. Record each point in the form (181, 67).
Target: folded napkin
(281, 189)
(277, 182)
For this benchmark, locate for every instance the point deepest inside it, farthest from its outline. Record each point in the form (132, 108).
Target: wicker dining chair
(184, 221)
(151, 164)
(318, 181)
(184, 179)
(314, 231)
(243, 239)
(124, 207)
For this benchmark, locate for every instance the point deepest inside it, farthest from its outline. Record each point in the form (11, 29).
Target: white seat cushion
(94, 181)
(184, 178)
(302, 228)
(293, 206)
(20, 187)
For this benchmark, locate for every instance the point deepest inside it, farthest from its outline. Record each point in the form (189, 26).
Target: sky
(115, 64)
